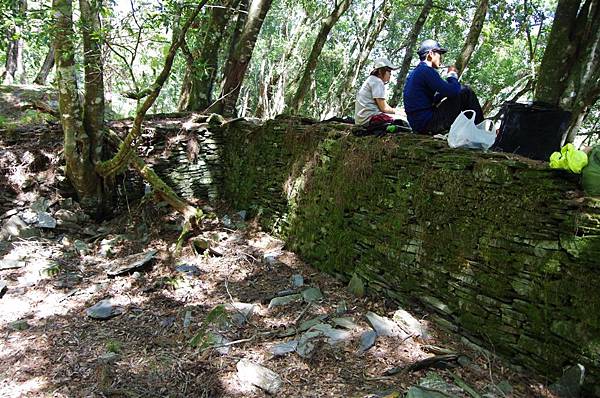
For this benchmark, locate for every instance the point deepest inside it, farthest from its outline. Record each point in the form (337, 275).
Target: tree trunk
(472, 37)
(82, 146)
(240, 58)
(372, 30)
(202, 71)
(14, 68)
(121, 160)
(79, 167)
(46, 67)
(311, 63)
(278, 76)
(411, 43)
(93, 105)
(570, 68)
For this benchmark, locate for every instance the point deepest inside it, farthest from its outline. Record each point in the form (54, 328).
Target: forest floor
(176, 325)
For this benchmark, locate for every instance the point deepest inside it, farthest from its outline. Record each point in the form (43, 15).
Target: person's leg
(468, 100)
(447, 111)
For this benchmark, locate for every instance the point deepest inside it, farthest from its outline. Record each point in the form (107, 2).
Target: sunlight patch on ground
(29, 388)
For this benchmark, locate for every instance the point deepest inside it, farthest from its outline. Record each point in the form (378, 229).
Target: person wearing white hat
(370, 106)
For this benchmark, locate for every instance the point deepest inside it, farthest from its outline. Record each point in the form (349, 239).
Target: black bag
(532, 130)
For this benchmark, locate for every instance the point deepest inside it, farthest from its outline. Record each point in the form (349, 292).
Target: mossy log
(500, 248)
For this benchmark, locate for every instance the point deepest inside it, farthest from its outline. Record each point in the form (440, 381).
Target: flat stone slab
(334, 336)
(131, 263)
(345, 322)
(384, 326)
(306, 345)
(258, 376)
(189, 270)
(310, 323)
(569, 385)
(103, 310)
(12, 263)
(285, 300)
(282, 349)
(312, 294)
(367, 340)
(241, 312)
(410, 324)
(218, 342)
(297, 280)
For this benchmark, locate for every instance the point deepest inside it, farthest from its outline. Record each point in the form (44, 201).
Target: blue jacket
(423, 89)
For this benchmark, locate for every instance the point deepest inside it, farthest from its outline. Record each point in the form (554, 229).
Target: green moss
(492, 244)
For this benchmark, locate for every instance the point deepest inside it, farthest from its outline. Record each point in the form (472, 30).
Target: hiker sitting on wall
(371, 108)
(432, 103)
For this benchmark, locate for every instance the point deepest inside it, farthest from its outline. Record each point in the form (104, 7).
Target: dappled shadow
(51, 347)
(145, 351)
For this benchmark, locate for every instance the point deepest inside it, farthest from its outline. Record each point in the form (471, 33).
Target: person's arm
(445, 88)
(383, 105)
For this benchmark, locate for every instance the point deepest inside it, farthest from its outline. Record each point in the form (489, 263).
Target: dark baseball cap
(429, 45)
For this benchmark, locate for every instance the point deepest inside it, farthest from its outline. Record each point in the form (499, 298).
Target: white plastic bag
(465, 134)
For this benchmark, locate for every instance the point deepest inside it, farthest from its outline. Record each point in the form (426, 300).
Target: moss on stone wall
(500, 248)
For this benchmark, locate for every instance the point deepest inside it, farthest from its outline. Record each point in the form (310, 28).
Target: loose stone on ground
(259, 376)
(103, 310)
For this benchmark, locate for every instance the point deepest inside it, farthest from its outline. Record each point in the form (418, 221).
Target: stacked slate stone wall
(499, 248)
(184, 153)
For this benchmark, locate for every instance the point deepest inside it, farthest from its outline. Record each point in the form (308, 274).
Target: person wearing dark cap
(370, 106)
(432, 103)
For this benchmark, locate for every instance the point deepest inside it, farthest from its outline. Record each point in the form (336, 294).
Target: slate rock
(345, 322)
(434, 383)
(188, 270)
(258, 376)
(297, 280)
(168, 322)
(282, 349)
(217, 340)
(45, 220)
(285, 292)
(131, 263)
(307, 344)
(356, 286)
(271, 258)
(334, 336)
(81, 247)
(285, 300)
(107, 245)
(40, 204)
(310, 323)
(242, 214)
(367, 340)
(312, 294)
(66, 216)
(242, 312)
(410, 324)
(569, 385)
(103, 310)
(341, 308)
(16, 227)
(227, 223)
(12, 263)
(385, 326)
(418, 392)
(109, 358)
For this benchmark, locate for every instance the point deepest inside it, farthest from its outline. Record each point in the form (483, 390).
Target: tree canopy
(261, 58)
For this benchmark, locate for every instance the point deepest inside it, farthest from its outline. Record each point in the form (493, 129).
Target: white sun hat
(383, 62)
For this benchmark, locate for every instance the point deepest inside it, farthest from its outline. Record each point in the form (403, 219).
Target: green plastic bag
(590, 177)
(569, 159)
